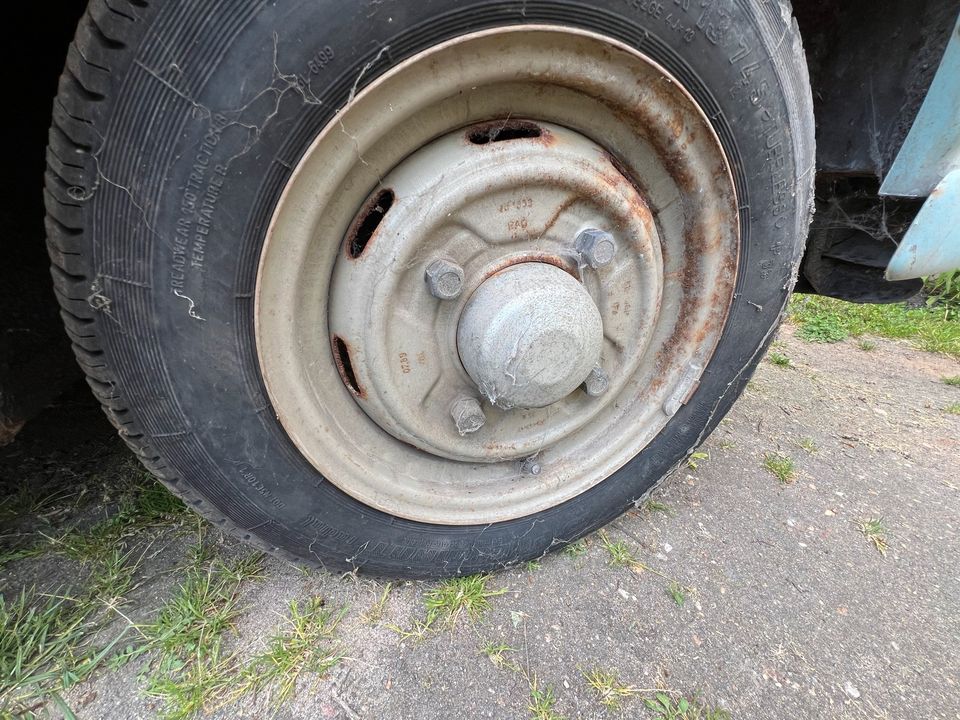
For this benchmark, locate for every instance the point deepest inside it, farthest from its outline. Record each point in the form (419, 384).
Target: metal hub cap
(496, 275)
(529, 336)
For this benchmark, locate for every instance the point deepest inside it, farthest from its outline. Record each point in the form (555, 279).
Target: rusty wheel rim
(419, 196)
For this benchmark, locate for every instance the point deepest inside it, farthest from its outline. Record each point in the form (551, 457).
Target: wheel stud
(531, 466)
(444, 279)
(467, 415)
(596, 383)
(596, 247)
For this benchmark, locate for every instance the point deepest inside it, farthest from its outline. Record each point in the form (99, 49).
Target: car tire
(186, 115)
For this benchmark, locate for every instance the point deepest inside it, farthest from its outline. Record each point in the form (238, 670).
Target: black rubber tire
(148, 115)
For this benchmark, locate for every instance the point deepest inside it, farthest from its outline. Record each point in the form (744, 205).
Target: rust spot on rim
(567, 266)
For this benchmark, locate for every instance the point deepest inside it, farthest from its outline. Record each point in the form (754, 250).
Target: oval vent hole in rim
(373, 215)
(342, 352)
(503, 131)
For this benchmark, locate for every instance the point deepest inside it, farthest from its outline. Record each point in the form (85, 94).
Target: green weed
(875, 531)
(542, 703)
(576, 549)
(677, 593)
(609, 691)
(50, 642)
(823, 329)
(304, 645)
(454, 597)
(781, 467)
(497, 654)
(666, 708)
(822, 319)
(375, 613)
(656, 506)
(780, 360)
(619, 554)
(48, 645)
(943, 293)
(188, 670)
(694, 460)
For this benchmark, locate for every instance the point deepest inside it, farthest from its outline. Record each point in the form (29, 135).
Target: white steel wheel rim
(629, 148)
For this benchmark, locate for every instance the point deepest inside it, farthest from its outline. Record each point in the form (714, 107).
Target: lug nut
(467, 415)
(596, 383)
(596, 247)
(445, 279)
(531, 466)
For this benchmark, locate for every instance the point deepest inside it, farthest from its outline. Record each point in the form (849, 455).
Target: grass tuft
(452, 598)
(204, 606)
(542, 702)
(780, 360)
(576, 549)
(696, 458)
(141, 508)
(303, 645)
(497, 654)
(657, 506)
(50, 642)
(781, 467)
(666, 708)
(952, 408)
(953, 381)
(821, 319)
(943, 293)
(823, 329)
(677, 593)
(619, 553)
(875, 531)
(47, 646)
(610, 692)
(866, 345)
(188, 671)
(376, 611)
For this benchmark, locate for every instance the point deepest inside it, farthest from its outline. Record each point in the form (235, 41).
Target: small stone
(851, 690)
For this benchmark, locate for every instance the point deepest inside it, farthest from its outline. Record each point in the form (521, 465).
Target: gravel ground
(790, 611)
